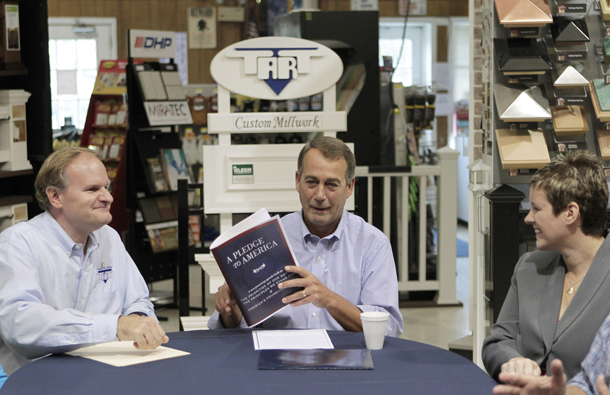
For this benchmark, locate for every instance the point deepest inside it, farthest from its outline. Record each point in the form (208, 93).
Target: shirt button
(73, 340)
(319, 258)
(314, 314)
(105, 336)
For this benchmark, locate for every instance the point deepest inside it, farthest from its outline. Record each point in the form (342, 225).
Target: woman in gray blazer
(560, 294)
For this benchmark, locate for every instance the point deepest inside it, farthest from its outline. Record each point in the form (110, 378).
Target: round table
(225, 362)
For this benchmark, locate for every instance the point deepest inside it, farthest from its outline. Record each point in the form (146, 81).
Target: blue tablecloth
(225, 362)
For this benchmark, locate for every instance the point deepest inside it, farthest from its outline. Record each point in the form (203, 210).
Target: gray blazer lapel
(597, 273)
(550, 301)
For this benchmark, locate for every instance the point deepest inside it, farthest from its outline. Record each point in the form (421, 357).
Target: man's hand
(316, 292)
(145, 332)
(520, 365)
(224, 301)
(534, 385)
(345, 313)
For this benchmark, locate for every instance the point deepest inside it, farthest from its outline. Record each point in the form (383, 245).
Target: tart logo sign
(280, 68)
(276, 68)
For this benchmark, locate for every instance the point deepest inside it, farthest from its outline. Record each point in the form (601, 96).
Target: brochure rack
(105, 132)
(572, 38)
(153, 240)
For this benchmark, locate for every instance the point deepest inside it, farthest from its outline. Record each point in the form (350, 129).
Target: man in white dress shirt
(66, 279)
(346, 265)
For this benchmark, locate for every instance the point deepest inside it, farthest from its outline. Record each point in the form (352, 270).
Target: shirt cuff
(105, 327)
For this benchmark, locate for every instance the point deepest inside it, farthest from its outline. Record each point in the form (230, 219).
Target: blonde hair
(52, 174)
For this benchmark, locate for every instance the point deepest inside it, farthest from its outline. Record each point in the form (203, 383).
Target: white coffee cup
(373, 325)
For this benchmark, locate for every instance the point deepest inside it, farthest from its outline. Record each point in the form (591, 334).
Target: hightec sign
(152, 44)
(276, 68)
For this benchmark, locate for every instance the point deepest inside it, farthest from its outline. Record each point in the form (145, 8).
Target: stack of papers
(307, 339)
(173, 85)
(152, 85)
(119, 353)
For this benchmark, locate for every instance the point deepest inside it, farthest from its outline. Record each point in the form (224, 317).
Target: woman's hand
(521, 365)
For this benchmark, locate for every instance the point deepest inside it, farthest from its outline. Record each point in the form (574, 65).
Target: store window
(459, 47)
(76, 46)
(413, 67)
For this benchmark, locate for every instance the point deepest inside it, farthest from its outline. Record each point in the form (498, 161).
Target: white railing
(446, 171)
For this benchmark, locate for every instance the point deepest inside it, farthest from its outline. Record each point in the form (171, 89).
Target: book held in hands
(252, 256)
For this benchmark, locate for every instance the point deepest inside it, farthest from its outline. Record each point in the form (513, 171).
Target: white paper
(257, 218)
(119, 353)
(152, 85)
(181, 58)
(201, 27)
(306, 339)
(444, 104)
(443, 76)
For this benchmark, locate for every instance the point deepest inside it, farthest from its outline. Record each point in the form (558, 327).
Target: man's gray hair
(331, 148)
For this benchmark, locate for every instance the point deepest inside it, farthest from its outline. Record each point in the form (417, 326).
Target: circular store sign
(276, 68)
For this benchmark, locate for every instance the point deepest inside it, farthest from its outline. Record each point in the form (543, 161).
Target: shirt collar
(306, 234)
(65, 241)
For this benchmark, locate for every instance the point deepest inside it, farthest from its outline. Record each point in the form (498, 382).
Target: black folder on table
(352, 359)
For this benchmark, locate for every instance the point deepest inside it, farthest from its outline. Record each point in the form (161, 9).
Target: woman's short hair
(333, 149)
(52, 174)
(580, 178)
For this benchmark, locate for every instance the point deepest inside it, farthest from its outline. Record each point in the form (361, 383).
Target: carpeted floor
(462, 248)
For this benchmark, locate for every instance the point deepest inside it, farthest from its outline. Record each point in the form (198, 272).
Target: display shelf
(100, 139)
(15, 199)
(588, 67)
(11, 69)
(33, 76)
(501, 232)
(147, 134)
(7, 174)
(355, 47)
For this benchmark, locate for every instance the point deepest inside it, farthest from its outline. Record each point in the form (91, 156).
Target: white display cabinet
(13, 130)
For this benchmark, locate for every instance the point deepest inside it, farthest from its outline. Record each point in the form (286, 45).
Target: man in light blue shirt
(346, 265)
(66, 279)
(2, 377)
